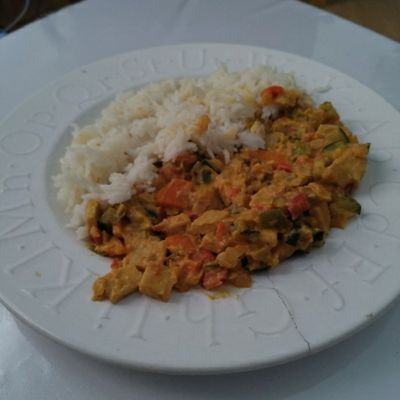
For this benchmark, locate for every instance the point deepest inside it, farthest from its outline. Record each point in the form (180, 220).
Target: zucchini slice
(275, 219)
(349, 204)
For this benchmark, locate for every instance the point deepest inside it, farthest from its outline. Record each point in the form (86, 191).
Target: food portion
(257, 174)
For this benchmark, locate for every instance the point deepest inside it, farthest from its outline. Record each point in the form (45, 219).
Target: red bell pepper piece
(214, 278)
(175, 194)
(298, 205)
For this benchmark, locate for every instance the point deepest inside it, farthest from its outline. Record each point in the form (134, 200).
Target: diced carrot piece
(270, 155)
(269, 94)
(175, 194)
(231, 192)
(220, 231)
(183, 242)
(274, 90)
(283, 166)
(185, 159)
(116, 263)
(298, 205)
(203, 256)
(189, 275)
(169, 172)
(214, 278)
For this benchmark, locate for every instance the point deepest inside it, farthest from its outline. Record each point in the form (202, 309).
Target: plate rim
(15, 309)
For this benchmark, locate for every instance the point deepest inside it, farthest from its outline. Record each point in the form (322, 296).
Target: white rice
(105, 159)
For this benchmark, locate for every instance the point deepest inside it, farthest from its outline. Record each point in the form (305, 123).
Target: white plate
(307, 304)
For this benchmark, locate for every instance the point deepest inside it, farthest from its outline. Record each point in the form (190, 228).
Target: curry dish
(214, 220)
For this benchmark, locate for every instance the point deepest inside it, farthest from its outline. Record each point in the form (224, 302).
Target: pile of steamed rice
(105, 159)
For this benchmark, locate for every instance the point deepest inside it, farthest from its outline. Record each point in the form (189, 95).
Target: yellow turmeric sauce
(219, 294)
(211, 222)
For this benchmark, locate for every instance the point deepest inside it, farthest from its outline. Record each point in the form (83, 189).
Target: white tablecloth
(366, 366)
